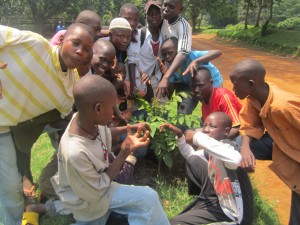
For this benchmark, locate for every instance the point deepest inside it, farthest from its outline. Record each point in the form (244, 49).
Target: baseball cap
(150, 3)
(119, 22)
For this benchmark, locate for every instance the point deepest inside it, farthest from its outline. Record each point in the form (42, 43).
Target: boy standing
(223, 190)
(174, 25)
(269, 109)
(34, 69)
(83, 181)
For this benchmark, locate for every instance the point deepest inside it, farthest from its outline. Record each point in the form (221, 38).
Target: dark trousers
(262, 150)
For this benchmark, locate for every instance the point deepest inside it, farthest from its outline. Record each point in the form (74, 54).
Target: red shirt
(223, 100)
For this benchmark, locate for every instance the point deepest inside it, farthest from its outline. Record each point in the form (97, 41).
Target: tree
(248, 4)
(43, 10)
(268, 20)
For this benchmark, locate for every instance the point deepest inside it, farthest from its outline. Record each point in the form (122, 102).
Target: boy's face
(214, 128)
(153, 16)
(96, 27)
(241, 85)
(76, 48)
(171, 9)
(102, 61)
(132, 17)
(168, 51)
(202, 87)
(120, 38)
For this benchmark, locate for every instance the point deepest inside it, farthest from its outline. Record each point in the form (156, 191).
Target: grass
(282, 42)
(173, 193)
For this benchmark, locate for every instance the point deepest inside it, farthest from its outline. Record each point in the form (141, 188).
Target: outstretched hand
(162, 65)
(172, 128)
(145, 79)
(192, 69)
(134, 141)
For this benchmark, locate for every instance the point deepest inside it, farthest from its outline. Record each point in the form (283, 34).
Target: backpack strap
(143, 35)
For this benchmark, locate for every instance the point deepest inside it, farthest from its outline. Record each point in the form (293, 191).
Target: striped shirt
(180, 29)
(33, 82)
(223, 100)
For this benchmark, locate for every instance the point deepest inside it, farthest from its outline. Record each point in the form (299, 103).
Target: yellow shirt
(280, 116)
(33, 82)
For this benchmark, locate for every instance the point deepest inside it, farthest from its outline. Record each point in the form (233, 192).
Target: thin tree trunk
(260, 7)
(246, 17)
(266, 24)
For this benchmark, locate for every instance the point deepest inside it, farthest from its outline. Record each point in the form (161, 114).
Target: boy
(42, 78)
(215, 99)
(224, 191)
(174, 25)
(131, 13)
(277, 112)
(183, 83)
(83, 181)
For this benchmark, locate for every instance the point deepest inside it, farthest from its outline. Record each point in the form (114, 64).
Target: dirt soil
(281, 71)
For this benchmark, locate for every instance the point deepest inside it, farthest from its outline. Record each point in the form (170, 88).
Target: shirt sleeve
(251, 123)
(184, 37)
(8, 36)
(227, 106)
(185, 149)
(217, 149)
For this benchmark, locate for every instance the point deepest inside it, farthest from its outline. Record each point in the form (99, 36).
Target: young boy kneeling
(83, 181)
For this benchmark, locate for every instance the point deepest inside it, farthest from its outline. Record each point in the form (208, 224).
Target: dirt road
(281, 71)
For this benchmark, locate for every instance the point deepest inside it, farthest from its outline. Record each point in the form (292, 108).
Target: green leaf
(168, 160)
(181, 120)
(178, 98)
(183, 94)
(188, 120)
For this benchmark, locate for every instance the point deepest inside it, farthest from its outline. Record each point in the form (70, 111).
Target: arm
(234, 132)
(209, 56)
(145, 79)
(219, 150)
(163, 84)
(131, 71)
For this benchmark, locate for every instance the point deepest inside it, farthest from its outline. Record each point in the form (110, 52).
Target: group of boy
(84, 181)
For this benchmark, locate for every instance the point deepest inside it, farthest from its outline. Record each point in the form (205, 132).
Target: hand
(143, 125)
(162, 65)
(172, 128)
(192, 69)
(162, 89)
(189, 135)
(248, 159)
(3, 65)
(145, 79)
(134, 141)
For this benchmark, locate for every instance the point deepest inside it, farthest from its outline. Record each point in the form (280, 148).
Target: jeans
(11, 198)
(140, 203)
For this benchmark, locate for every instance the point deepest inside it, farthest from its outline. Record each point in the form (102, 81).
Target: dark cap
(150, 3)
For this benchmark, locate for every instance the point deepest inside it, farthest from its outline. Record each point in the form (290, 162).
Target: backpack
(143, 35)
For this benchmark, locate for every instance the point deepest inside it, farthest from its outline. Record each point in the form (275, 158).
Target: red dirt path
(281, 71)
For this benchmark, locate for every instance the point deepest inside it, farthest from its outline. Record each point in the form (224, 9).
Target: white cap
(119, 23)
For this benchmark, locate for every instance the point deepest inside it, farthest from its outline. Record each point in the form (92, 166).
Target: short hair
(205, 71)
(87, 16)
(129, 6)
(173, 39)
(81, 26)
(224, 118)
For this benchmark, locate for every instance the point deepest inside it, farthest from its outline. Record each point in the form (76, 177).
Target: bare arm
(123, 129)
(234, 132)
(131, 71)
(211, 55)
(162, 89)
(248, 159)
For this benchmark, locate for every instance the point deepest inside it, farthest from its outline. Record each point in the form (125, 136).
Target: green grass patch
(173, 193)
(283, 42)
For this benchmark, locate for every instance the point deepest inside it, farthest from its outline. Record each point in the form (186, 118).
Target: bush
(292, 23)
(238, 26)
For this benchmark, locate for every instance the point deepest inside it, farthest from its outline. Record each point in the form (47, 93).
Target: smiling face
(76, 47)
(103, 57)
(168, 51)
(120, 38)
(172, 9)
(153, 16)
(202, 85)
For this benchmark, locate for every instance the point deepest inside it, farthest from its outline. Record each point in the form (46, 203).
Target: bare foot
(28, 187)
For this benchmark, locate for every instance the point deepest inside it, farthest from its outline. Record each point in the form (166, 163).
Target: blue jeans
(11, 198)
(140, 203)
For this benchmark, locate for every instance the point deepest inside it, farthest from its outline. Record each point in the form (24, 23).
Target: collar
(178, 18)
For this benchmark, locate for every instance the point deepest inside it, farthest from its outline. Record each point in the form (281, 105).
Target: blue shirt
(178, 78)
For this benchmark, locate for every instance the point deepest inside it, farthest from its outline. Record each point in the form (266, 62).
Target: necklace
(98, 136)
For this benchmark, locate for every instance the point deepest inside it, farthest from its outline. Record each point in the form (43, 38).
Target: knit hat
(150, 3)
(119, 23)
